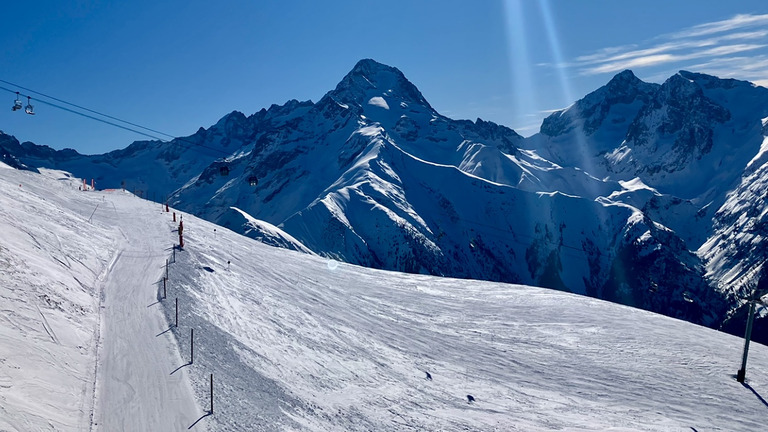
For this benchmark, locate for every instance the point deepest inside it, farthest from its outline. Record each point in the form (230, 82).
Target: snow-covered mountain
(296, 342)
(627, 195)
(691, 155)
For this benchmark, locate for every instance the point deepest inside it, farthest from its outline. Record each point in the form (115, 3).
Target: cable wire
(173, 139)
(86, 109)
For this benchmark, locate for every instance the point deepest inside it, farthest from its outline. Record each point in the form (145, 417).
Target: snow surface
(379, 102)
(304, 343)
(298, 342)
(77, 342)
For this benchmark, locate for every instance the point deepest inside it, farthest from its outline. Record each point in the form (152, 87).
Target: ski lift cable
(174, 139)
(86, 109)
(100, 120)
(86, 115)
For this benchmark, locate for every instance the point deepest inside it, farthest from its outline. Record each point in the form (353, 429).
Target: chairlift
(29, 109)
(253, 180)
(17, 103)
(224, 170)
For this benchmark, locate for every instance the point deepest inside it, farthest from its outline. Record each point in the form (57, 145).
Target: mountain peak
(370, 66)
(370, 78)
(589, 112)
(624, 79)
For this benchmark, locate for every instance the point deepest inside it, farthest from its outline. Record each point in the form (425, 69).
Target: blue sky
(175, 66)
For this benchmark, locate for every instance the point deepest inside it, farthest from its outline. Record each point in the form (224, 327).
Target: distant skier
(429, 377)
(470, 398)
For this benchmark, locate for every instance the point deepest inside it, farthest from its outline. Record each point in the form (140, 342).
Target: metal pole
(164, 279)
(747, 337)
(211, 393)
(192, 347)
(166, 268)
(177, 311)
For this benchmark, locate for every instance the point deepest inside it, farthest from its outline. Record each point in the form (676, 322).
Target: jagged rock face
(606, 201)
(654, 270)
(590, 112)
(678, 122)
(9, 147)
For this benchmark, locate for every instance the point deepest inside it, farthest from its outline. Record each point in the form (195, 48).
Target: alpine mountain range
(648, 195)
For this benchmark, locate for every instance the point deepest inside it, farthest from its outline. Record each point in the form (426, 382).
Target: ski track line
(134, 389)
(99, 335)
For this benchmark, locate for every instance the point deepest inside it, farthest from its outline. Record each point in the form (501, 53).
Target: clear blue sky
(176, 65)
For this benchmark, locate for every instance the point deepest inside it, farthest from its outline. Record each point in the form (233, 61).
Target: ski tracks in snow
(135, 389)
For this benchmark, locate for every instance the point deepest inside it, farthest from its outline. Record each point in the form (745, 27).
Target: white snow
(760, 157)
(298, 342)
(379, 102)
(61, 252)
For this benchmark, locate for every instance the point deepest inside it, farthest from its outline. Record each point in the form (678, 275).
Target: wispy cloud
(736, 23)
(657, 59)
(711, 45)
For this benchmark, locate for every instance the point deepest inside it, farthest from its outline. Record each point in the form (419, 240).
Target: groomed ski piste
(297, 342)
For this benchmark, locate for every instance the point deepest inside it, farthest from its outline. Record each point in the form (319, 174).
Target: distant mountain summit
(589, 113)
(638, 193)
(386, 85)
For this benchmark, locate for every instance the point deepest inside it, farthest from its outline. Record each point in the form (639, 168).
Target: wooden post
(192, 347)
(177, 311)
(181, 232)
(211, 393)
(174, 216)
(742, 373)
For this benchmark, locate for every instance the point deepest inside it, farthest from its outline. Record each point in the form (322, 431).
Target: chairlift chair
(253, 180)
(17, 103)
(29, 109)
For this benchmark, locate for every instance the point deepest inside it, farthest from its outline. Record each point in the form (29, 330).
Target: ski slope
(136, 390)
(297, 342)
(78, 345)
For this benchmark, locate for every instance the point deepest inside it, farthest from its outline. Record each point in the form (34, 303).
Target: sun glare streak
(554, 46)
(519, 59)
(580, 140)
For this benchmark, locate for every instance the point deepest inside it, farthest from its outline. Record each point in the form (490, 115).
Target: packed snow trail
(140, 385)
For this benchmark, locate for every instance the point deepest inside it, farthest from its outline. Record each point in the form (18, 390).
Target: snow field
(52, 265)
(297, 342)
